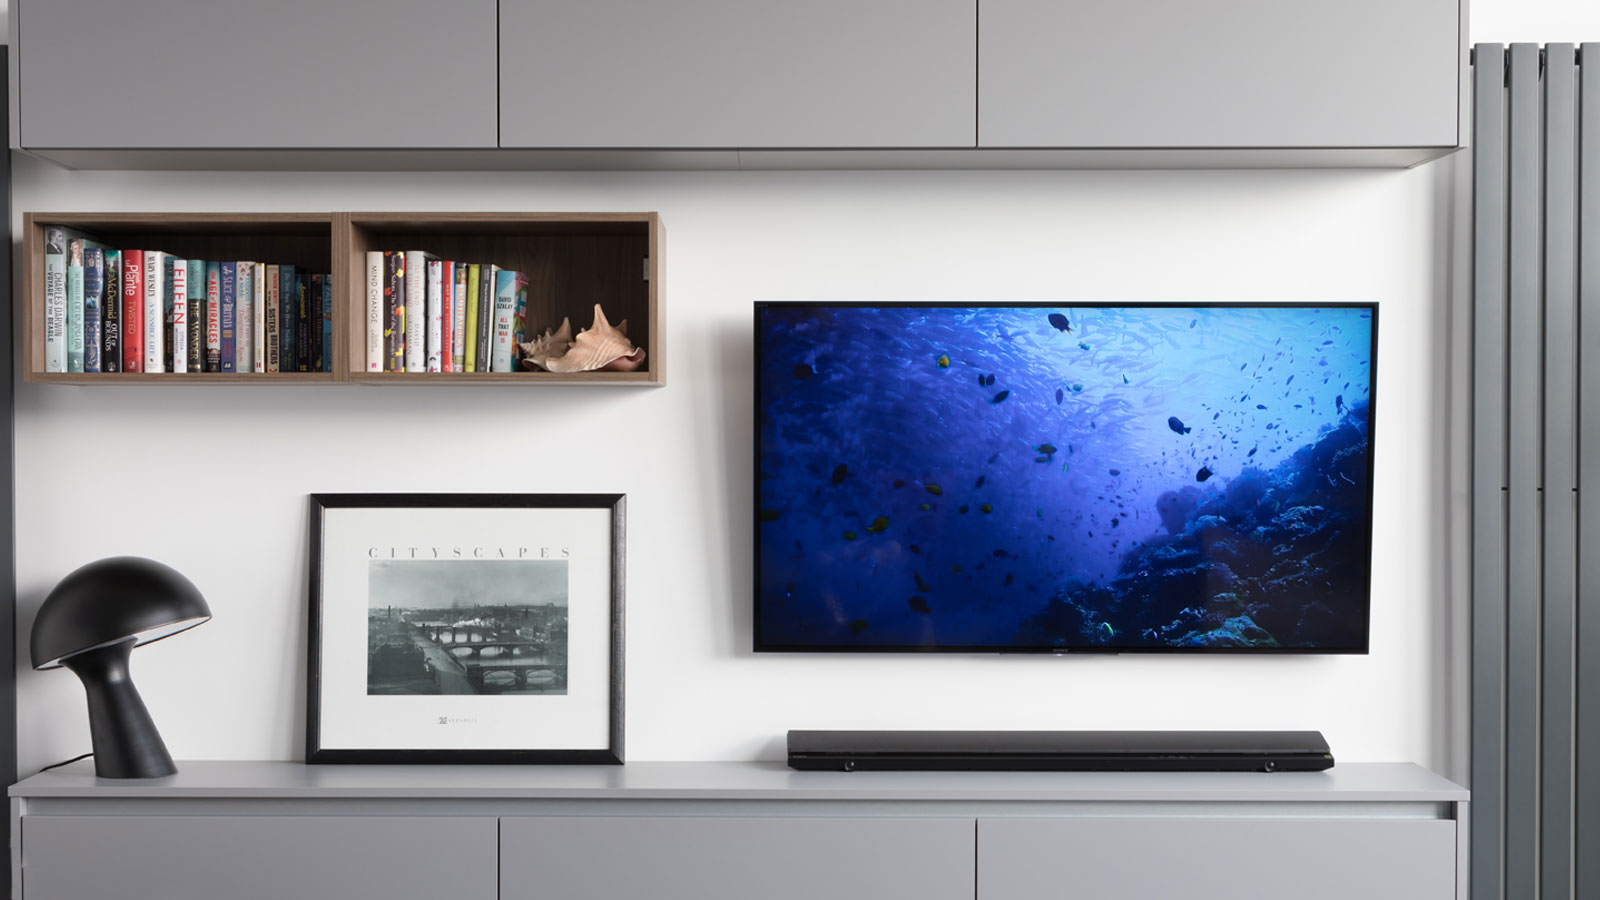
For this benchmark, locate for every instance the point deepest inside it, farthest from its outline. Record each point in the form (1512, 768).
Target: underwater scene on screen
(1064, 477)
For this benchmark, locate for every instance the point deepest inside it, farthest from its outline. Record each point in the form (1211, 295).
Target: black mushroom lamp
(90, 623)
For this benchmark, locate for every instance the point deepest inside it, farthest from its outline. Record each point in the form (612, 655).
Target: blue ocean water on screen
(1064, 477)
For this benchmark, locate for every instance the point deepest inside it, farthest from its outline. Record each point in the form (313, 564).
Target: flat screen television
(1031, 477)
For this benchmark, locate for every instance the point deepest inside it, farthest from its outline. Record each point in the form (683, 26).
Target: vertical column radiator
(1535, 449)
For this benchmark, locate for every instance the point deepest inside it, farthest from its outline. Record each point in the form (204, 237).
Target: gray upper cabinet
(254, 74)
(725, 84)
(738, 74)
(1240, 73)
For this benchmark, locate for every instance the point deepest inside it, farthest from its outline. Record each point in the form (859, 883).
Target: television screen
(1044, 478)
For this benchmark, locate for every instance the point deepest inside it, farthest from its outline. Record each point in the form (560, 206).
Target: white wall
(213, 480)
(1534, 21)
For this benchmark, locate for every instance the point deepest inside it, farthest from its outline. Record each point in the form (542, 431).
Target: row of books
(426, 314)
(120, 310)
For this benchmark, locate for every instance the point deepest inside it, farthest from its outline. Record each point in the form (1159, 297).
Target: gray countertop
(1346, 782)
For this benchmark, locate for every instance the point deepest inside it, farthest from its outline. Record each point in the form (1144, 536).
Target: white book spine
(155, 312)
(75, 305)
(505, 307)
(458, 361)
(244, 317)
(416, 310)
(180, 316)
(258, 358)
(55, 299)
(374, 310)
(435, 315)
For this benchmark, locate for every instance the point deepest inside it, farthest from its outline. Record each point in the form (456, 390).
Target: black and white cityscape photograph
(467, 627)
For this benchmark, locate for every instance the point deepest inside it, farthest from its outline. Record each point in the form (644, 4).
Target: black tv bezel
(758, 646)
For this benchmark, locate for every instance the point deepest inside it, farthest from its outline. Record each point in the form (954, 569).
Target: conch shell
(600, 347)
(538, 351)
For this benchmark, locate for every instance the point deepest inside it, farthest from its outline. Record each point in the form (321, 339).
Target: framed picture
(465, 628)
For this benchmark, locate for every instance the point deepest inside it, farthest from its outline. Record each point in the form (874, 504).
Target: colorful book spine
(75, 305)
(327, 323)
(111, 315)
(435, 306)
(519, 327)
(447, 305)
(133, 310)
(519, 321)
(94, 286)
(196, 314)
(394, 311)
(169, 265)
(302, 329)
(416, 310)
(314, 323)
(179, 288)
(458, 308)
(469, 340)
(274, 320)
(244, 317)
(213, 317)
(374, 318)
(487, 285)
(286, 316)
(505, 310)
(155, 311)
(55, 298)
(258, 331)
(228, 306)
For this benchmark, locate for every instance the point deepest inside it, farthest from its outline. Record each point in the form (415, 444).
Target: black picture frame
(321, 504)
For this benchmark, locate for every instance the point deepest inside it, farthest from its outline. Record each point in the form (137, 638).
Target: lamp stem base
(126, 742)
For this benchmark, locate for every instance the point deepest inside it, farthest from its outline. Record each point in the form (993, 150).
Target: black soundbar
(1061, 751)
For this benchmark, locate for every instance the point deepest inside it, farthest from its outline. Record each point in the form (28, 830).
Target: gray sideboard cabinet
(247, 74)
(1292, 74)
(733, 831)
(751, 74)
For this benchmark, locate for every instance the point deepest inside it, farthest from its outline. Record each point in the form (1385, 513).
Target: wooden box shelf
(573, 261)
(301, 239)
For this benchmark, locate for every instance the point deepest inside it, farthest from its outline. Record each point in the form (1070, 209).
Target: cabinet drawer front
(256, 857)
(738, 73)
(735, 858)
(1175, 73)
(1205, 858)
(252, 74)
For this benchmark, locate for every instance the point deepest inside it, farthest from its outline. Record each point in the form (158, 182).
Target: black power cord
(66, 762)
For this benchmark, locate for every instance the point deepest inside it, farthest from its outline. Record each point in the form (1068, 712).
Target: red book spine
(133, 311)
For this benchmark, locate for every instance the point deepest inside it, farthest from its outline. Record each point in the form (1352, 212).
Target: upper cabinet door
(256, 73)
(1229, 73)
(664, 74)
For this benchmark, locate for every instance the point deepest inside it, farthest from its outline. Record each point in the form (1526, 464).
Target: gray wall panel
(1587, 823)
(1560, 527)
(243, 73)
(738, 73)
(1488, 471)
(257, 857)
(8, 579)
(1524, 478)
(1173, 73)
(1203, 858)
(605, 858)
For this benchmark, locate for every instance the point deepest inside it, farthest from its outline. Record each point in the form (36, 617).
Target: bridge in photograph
(509, 648)
(523, 675)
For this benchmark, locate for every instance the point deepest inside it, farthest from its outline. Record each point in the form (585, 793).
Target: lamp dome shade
(112, 601)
